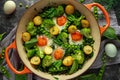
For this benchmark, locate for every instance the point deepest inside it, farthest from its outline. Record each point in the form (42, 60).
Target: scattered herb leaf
(1, 36)
(110, 33)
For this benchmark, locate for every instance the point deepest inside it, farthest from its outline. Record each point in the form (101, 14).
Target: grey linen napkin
(97, 64)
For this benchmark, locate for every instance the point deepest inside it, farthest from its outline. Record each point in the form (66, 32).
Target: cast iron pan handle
(102, 29)
(13, 46)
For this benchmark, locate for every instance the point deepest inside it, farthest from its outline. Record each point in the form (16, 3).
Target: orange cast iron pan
(28, 16)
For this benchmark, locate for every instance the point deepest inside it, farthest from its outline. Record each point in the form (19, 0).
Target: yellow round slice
(48, 50)
(87, 49)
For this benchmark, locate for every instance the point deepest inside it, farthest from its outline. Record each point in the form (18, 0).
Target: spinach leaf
(51, 12)
(47, 23)
(48, 12)
(110, 33)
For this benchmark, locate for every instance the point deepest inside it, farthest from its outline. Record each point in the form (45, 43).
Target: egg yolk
(42, 41)
(76, 36)
(61, 20)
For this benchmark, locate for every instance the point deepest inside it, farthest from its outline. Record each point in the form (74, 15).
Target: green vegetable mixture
(56, 40)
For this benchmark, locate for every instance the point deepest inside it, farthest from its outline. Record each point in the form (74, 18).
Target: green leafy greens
(50, 12)
(110, 33)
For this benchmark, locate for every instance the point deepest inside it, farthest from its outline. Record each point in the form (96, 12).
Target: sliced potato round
(48, 50)
(72, 28)
(37, 20)
(26, 36)
(69, 9)
(35, 60)
(87, 49)
(85, 23)
(68, 61)
(54, 30)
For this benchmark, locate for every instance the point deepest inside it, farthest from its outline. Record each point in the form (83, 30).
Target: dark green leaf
(110, 33)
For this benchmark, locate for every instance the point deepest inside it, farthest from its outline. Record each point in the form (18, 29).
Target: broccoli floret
(79, 56)
(63, 36)
(60, 10)
(75, 20)
(86, 32)
(47, 61)
(31, 28)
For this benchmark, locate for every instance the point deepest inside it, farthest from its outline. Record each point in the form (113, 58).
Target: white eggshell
(110, 50)
(9, 7)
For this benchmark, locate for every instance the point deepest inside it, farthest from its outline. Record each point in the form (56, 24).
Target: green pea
(54, 68)
(3, 54)
(4, 72)
(75, 47)
(31, 24)
(81, 1)
(26, 6)
(3, 50)
(2, 57)
(2, 69)
(43, 31)
(20, 4)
